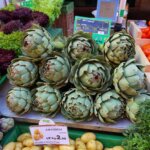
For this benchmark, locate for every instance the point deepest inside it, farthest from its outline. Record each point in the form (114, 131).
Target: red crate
(66, 21)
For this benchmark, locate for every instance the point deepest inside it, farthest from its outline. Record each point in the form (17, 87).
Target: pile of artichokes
(79, 80)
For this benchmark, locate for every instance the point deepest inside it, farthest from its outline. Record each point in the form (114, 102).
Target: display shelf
(34, 117)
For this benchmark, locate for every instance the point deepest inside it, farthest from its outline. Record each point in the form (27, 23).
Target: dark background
(138, 9)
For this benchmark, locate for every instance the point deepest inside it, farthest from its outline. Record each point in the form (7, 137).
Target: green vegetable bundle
(12, 41)
(50, 7)
(138, 136)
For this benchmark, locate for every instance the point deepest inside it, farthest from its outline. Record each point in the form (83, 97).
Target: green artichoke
(46, 100)
(22, 73)
(55, 70)
(91, 75)
(77, 105)
(19, 100)
(109, 106)
(133, 104)
(37, 43)
(6, 124)
(119, 48)
(129, 79)
(79, 44)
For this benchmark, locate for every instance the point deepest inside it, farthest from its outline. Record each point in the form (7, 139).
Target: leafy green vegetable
(50, 7)
(12, 41)
(138, 136)
(9, 7)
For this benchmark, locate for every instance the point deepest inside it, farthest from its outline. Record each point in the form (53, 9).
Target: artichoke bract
(6, 124)
(37, 43)
(77, 105)
(22, 73)
(19, 100)
(129, 79)
(46, 100)
(79, 44)
(91, 75)
(133, 105)
(55, 70)
(109, 107)
(119, 48)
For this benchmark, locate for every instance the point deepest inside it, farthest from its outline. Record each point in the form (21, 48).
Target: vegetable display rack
(33, 117)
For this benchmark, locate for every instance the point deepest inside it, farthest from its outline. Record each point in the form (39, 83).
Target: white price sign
(45, 135)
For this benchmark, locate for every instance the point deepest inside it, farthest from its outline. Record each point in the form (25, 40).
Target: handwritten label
(44, 135)
(99, 28)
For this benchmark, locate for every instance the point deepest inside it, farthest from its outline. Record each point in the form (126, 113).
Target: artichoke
(77, 105)
(55, 70)
(91, 75)
(129, 79)
(79, 44)
(38, 43)
(109, 106)
(133, 104)
(6, 124)
(119, 48)
(22, 73)
(19, 100)
(46, 100)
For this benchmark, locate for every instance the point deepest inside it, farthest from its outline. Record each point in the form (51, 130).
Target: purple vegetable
(3, 68)
(28, 25)
(23, 14)
(5, 59)
(6, 55)
(11, 26)
(41, 18)
(5, 16)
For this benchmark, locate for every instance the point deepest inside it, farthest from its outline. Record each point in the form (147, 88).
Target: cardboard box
(134, 30)
(140, 56)
(142, 59)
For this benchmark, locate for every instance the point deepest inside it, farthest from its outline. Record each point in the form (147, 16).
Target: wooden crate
(66, 19)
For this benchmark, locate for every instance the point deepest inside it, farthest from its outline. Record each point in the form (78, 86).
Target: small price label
(46, 121)
(45, 135)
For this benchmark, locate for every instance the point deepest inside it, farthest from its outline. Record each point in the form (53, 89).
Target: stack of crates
(66, 19)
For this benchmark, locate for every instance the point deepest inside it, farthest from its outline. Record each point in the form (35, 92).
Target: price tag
(99, 28)
(49, 135)
(46, 121)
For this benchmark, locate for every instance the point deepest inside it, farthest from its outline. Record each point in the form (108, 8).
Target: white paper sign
(46, 121)
(49, 135)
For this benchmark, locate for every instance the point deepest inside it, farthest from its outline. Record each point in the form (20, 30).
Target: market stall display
(71, 80)
(78, 139)
(72, 76)
(14, 21)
